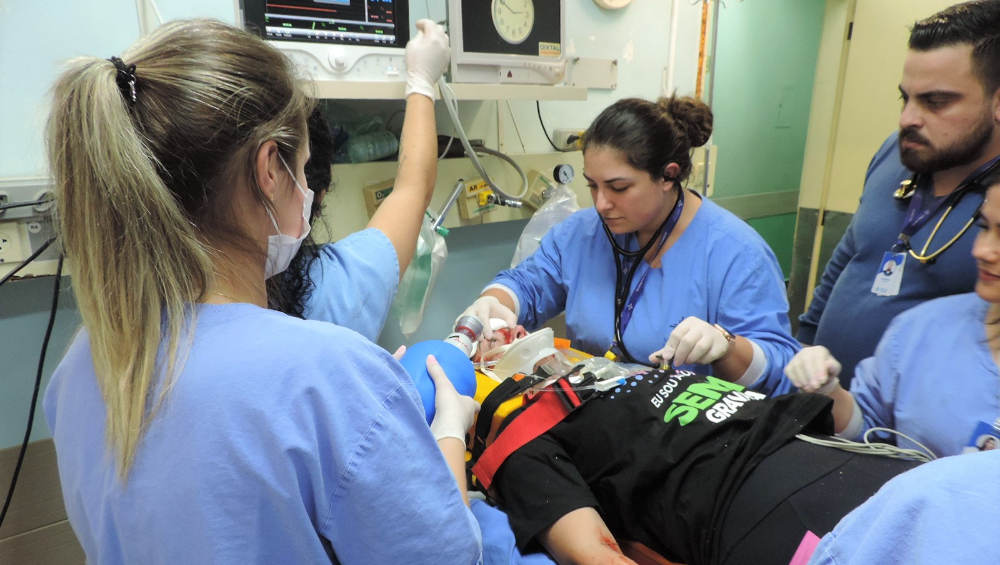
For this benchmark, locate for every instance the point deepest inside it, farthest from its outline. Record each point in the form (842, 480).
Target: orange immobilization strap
(550, 408)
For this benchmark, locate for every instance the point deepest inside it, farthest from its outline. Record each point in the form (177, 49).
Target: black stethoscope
(906, 191)
(623, 280)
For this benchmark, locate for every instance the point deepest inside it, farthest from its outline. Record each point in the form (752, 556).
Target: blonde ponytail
(142, 187)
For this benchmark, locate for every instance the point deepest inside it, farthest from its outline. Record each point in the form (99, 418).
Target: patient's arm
(582, 538)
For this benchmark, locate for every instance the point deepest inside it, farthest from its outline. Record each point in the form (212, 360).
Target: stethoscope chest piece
(905, 190)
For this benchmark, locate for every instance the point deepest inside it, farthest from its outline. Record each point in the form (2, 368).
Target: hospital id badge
(986, 437)
(890, 274)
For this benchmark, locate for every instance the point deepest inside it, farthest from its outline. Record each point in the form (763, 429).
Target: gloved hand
(453, 412)
(427, 57)
(693, 341)
(814, 370)
(486, 307)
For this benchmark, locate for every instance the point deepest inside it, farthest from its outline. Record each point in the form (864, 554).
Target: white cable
(868, 448)
(159, 16)
(142, 9)
(447, 147)
(451, 103)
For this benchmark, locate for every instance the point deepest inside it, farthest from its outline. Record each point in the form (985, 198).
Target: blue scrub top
(932, 377)
(719, 270)
(355, 281)
(280, 441)
(945, 511)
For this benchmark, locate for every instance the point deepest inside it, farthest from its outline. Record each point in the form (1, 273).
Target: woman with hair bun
(654, 273)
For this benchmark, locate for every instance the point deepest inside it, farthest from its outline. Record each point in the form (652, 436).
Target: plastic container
(415, 286)
(456, 365)
(372, 146)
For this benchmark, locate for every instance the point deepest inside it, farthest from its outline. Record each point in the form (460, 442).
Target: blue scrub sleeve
(941, 512)
(397, 501)
(753, 305)
(538, 282)
(499, 545)
(355, 281)
(875, 382)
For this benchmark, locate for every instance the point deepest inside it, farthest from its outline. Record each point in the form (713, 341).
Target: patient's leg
(800, 488)
(582, 538)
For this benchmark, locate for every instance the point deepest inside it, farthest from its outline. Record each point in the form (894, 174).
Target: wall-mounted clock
(612, 4)
(513, 19)
(512, 41)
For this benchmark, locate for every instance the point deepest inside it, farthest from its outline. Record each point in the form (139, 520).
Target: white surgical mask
(280, 247)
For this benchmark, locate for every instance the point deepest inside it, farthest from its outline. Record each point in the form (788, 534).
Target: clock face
(513, 19)
(613, 4)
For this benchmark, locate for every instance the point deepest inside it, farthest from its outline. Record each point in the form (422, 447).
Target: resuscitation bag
(453, 360)
(560, 205)
(418, 280)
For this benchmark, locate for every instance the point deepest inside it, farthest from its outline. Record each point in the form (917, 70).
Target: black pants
(801, 487)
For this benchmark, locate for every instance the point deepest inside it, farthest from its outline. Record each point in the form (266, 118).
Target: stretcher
(638, 552)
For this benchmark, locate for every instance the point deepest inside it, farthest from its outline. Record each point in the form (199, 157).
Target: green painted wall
(765, 67)
(779, 233)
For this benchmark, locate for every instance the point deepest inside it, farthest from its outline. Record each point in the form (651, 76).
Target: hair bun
(693, 116)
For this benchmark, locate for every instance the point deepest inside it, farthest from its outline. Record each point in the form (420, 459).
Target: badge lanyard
(624, 302)
(917, 216)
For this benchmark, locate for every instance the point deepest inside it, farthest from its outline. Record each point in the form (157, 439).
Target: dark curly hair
(289, 291)
(651, 135)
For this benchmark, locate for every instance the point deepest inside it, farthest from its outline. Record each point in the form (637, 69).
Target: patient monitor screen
(344, 22)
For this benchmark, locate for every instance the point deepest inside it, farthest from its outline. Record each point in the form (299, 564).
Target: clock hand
(508, 7)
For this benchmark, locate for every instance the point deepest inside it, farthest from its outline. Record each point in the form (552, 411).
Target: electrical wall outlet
(11, 246)
(568, 139)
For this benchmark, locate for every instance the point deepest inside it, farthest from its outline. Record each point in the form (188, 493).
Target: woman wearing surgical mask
(352, 282)
(192, 424)
(654, 273)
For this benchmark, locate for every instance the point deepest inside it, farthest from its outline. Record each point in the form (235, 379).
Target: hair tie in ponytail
(125, 78)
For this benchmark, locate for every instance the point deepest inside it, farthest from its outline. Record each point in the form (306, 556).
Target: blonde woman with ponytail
(654, 273)
(191, 423)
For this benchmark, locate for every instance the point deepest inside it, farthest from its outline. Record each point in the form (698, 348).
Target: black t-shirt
(659, 457)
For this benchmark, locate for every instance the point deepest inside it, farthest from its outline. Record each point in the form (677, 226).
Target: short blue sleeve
(942, 512)
(752, 305)
(539, 281)
(499, 544)
(875, 382)
(354, 282)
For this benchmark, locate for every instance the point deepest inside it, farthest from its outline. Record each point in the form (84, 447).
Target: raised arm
(399, 217)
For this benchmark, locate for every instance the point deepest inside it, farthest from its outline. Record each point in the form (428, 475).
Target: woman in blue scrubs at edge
(934, 375)
(653, 272)
(193, 424)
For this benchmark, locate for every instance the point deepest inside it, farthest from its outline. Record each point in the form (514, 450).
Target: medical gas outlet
(476, 200)
(11, 250)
